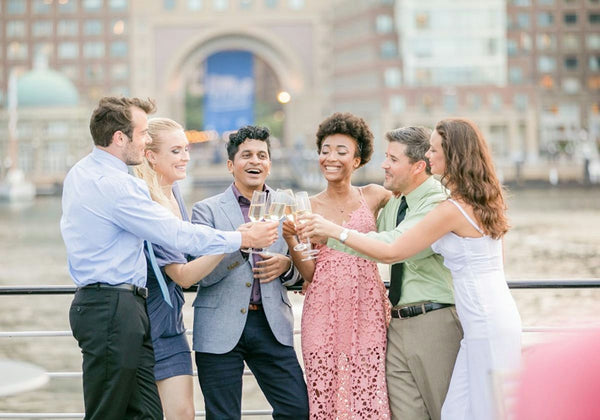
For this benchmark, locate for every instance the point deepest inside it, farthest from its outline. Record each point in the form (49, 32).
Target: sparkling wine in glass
(303, 208)
(256, 212)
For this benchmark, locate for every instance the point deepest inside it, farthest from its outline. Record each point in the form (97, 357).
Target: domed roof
(45, 87)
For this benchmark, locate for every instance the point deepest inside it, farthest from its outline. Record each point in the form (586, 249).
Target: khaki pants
(421, 352)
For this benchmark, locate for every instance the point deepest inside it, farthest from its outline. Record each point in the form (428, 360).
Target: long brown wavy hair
(471, 175)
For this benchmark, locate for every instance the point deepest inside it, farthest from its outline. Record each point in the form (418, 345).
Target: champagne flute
(303, 208)
(256, 212)
(276, 206)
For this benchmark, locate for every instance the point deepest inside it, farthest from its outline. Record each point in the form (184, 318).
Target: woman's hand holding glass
(303, 208)
(318, 228)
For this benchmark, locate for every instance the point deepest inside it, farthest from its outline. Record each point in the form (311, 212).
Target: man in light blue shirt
(107, 214)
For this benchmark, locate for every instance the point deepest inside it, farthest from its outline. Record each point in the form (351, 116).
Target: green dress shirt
(425, 277)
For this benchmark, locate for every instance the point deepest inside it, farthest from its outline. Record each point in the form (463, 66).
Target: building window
(595, 63)
(547, 82)
(521, 101)
(593, 41)
(93, 49)
(220, 4)
(70, 6)
(570, 18)
(570, 63)
(93, 27)
(511, 47)
(119, 27)
(594, 82)
(594, 18)
(15, 29)
(194, 4)
(41, 7)
(495, 101)
(473, 101)
(545, 19)
(271, 4)
(16, 7)
(450, 102)
(422, 20)
(546, 42)
(388, 49)
(392, 77)
(296, 4)
(42, 28)
(570, 42)
(515, 75)
(397, 104)
(570, 85)
(94, 73)
(523, 21)
(245, 4)
(118, 49)
(169, 4)
(546, 2)
(384, 24)
(67, 28)
(546, 64)
(92, 5)
(119, 71)
(423, 77)
(118, 4)
(525, 41)
(521, 3)
(43, 49)
(68, 50)
(17, 51)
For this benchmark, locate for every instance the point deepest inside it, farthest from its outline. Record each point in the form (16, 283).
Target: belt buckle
(141, 291)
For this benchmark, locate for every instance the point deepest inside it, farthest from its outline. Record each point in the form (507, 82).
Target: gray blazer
(221, 304)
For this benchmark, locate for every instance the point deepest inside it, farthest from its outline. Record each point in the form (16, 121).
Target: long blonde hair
(157, 129)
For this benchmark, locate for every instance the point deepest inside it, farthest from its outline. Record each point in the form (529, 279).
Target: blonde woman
(166, 159)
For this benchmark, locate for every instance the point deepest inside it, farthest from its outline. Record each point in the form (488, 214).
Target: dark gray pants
(113, 332)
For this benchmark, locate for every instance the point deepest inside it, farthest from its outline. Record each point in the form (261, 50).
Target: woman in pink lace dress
(344, 321)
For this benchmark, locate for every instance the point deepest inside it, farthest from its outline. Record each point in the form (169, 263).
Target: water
(555, 234)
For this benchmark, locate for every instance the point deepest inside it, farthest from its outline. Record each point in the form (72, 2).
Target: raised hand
(259, 234)
(318, 228)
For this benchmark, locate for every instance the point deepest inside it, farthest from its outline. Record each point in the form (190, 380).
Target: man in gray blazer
(242, 312)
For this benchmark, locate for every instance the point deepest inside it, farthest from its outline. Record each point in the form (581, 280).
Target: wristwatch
(344, 235)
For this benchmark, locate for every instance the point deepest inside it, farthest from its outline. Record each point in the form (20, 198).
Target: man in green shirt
(424, 334)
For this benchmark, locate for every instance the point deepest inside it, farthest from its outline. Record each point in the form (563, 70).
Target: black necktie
(396, 277)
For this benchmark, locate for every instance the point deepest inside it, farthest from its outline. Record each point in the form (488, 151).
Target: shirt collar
(413, 197)
(108, 159)
(240, 198)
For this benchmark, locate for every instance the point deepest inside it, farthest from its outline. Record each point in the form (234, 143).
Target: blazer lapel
(231, 209)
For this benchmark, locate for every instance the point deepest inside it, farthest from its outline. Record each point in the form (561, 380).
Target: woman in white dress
(467, 230)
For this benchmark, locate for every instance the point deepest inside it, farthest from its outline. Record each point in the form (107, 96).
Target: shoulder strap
(458, 206)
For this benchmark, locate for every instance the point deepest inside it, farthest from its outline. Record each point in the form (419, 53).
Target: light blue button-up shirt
(108, 213)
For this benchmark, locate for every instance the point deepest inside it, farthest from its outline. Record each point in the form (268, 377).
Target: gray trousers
(420, 357)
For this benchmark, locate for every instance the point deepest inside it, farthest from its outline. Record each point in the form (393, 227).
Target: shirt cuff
(288, 274)
(234, 240)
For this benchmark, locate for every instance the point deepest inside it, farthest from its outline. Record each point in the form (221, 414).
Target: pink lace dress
(344, 333)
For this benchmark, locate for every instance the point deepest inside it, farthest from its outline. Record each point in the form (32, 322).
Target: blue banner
(228, 91)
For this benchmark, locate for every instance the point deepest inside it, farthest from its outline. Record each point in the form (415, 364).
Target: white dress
(490, 320)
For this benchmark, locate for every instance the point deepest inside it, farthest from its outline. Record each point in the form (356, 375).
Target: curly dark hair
(114, 114)
(247, 132)
(352, 126)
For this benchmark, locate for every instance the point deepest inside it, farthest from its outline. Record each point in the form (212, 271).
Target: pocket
(207, 299)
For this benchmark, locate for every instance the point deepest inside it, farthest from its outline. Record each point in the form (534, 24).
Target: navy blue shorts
(176, 365)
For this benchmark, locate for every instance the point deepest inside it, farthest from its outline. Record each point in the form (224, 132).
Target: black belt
(138, 291)
(410, 311)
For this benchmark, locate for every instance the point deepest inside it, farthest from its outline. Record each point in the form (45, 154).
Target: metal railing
(66, 290)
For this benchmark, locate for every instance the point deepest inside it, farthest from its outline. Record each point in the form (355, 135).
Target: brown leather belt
(255, 307)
